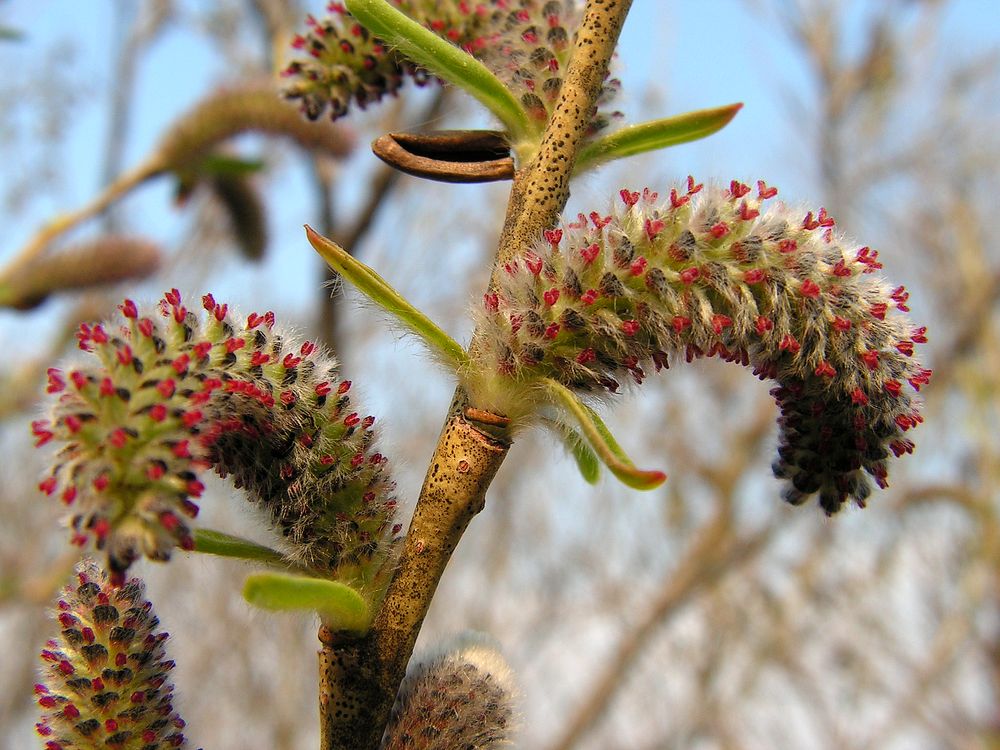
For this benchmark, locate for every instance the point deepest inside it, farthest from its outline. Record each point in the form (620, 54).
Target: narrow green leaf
(339, 606)
(586, 460)
(226, 165)
(602, 441)
(656, 134)
(444, 60)
(381, 293)
(211, 542)
(9, 34)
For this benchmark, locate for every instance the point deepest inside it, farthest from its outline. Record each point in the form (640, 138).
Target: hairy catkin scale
(174, 393)
(254, 106)
(526, 43)
(462, 698)
(105, 678)
(713, 273)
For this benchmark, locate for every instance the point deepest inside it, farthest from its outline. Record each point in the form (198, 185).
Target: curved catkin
(255, 106)
(712, 272)
(108, 259)
(525, 43)
(106, 678)
(168, 394)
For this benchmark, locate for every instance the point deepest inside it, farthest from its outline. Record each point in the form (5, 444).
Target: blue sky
(697, 54)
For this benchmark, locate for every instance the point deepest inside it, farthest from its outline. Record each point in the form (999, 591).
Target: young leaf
(444, 60)
(586, 460)
(228, 165)
(339, 606)
(211, 542)
(601, 439)
(381, 293)
(655, 134)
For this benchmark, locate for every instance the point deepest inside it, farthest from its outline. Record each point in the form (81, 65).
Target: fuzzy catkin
(107, 259)
(105, 678)
(461, 698)
(250, 106)
(712, 272)
(173, 393)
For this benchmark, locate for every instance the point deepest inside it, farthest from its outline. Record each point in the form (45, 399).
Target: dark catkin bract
(166, 395)
(713, 272)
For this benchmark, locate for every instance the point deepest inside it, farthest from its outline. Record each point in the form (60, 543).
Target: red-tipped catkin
(526, 43)
(713, 272)
(529, 51)
(462, 698)
(105, 678)
(172, 393)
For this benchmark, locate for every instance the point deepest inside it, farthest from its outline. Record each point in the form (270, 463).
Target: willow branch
(359, 678)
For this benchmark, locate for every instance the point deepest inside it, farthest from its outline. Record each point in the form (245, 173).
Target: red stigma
(629, 198)
(689, 275)
(810, 289)
(719, 230)
(764, 192)
(653, 227)
(589, 253)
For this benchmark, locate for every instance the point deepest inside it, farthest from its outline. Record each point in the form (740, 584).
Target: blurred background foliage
(705, 614)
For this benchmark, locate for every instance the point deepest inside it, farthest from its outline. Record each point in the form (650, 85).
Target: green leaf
(9, 34)
(339, 606)
(656, 134)
(444, 60)
(381, 293)
(586, 460)
(601, 439)
(225, 165)
(211, 542)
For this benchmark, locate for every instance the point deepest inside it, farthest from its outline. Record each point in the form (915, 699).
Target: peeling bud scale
(725, 274)
(105, 679)
(210, 391)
